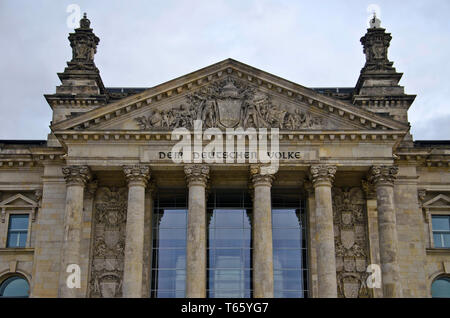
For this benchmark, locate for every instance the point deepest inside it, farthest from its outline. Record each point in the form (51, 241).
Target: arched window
(15, 286)
(441, 288)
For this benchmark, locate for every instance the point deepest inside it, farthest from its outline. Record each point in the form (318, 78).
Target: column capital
(258, 176)
(77, 175)
(137, 174)
(197, 174)
(383, 175)
(322, 174)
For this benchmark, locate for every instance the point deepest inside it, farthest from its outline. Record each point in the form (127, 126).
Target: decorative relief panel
(110, 212)
(229, 104)
(350, 231)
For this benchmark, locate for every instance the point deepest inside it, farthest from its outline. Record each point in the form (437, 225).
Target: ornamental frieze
(230, 104)
(350, 231)
(110, 209)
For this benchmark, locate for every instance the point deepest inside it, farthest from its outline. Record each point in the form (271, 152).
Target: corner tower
(82, 88)
(377, 89)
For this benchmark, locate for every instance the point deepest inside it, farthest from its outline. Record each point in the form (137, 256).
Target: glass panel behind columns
(289, 244)
(229, 244)
(169, 244)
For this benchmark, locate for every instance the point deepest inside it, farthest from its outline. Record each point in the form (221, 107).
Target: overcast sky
(145, 43)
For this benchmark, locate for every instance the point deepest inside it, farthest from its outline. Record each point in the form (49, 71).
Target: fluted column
(76, 179)
(322, 177)
(196, 177)
(383, 178)
(262, 234)
(137, 177)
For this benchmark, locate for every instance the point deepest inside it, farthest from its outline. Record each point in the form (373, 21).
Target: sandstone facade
(370, 189)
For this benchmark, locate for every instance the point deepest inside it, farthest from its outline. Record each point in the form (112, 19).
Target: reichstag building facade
(350, 205)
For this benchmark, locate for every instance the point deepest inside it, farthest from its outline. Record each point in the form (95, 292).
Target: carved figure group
(227, 105)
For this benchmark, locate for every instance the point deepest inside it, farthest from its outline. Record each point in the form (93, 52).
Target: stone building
(103, 202)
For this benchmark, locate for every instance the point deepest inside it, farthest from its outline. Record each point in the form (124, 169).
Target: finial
(85, 23)
(375, 22)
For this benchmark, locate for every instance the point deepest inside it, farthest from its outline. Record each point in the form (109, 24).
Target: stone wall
(49, 234)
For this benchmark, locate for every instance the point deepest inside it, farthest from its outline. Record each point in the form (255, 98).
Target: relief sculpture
(350, 231)
(109, 243)
(230, 104)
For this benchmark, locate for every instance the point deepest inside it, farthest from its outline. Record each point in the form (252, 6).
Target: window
(17, 230)
(289, 244)
(229, 245)
(441, 231)
(15, 286)
(169, 245)
(441, 288)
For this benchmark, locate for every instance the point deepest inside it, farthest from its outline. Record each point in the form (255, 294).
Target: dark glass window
(229, 244)
(15, 286)
(17, 230)
(169, 244)
(441, 231)
(289, 244)
(441, 288)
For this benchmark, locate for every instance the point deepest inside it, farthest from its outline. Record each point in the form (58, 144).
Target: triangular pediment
(229, 94)
(439, 201)
(18, 200)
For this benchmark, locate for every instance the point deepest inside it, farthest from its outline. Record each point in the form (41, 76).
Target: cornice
(313, 135)
(31, 158)
(423, 159)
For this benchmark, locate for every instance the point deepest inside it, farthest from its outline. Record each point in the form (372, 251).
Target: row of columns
(321, 176)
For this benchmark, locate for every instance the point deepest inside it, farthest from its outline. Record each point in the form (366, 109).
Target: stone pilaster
(137, 177)
(197, 178)
(87, 235)
(312, 250)
(148, 238)
(322, 177)
(372, 228)
(76, 178)
(383, 177)
(262, 233)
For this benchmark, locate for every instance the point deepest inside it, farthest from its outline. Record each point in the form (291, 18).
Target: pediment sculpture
(230, 104)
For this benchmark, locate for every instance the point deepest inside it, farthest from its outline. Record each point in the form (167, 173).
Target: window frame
(179, 202)
(439, 277)
(7, 229)
(301, 210)
(18, 204)
(438, 214)
(218, 200)
(16, 275)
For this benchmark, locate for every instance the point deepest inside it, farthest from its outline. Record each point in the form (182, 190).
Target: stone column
(76, 179)
(196, 177)
(322, 177)
(137, 177)
(383, 178)
(262, 234)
